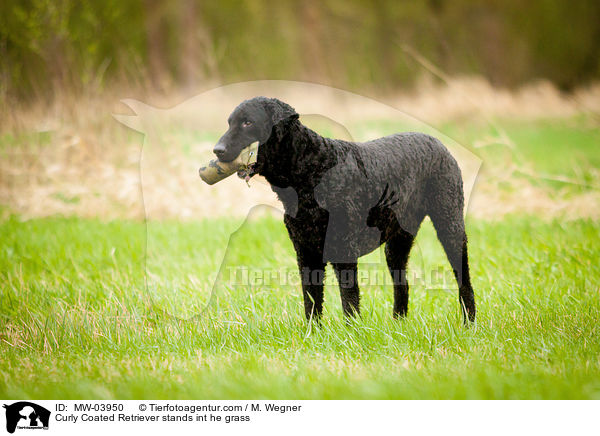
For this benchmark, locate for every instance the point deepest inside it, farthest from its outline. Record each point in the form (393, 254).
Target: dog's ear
(282, 115)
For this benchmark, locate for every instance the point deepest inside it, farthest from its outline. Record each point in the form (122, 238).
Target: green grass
(561, 148)
(551, 149)
(76, 320)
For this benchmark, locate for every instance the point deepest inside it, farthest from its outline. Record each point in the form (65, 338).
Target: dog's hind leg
(450, 227)
(397, 250)
(347, 277)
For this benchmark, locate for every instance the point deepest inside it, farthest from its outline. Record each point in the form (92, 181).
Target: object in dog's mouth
(215, 170)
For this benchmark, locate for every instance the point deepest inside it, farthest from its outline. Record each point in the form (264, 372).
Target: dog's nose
(219, 149)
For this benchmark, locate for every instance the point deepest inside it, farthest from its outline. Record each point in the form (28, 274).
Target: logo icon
(26, 415)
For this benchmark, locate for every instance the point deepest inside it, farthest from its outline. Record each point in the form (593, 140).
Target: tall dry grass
(73, 158)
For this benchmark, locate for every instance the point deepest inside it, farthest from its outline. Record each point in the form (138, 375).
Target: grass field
(99, 308)
(77, 321)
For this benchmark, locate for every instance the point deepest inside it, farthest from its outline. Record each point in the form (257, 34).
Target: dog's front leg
(312, 274)
(347, 277)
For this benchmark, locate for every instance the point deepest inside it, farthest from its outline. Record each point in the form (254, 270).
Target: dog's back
(414, 169)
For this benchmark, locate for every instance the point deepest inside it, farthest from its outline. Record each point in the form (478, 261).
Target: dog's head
(257, 119)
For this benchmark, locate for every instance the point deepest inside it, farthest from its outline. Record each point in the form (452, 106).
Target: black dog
(344, 199)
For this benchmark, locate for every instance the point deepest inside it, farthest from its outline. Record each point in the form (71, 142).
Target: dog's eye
(246, 123)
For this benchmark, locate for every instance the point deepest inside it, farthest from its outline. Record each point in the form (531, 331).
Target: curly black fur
(344, 199)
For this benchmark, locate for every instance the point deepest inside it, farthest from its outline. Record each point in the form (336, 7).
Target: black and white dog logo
(26, 415)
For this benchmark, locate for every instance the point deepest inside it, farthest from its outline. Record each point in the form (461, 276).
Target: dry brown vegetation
(75, 159)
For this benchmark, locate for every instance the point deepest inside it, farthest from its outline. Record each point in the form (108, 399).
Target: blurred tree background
(49, 46)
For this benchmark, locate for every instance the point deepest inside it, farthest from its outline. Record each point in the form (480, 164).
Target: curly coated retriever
(344, 199)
